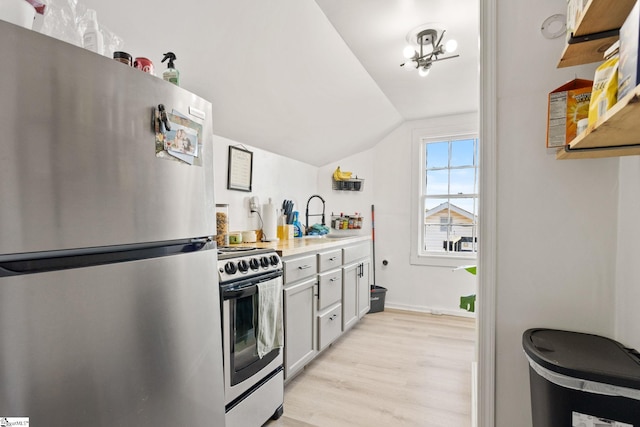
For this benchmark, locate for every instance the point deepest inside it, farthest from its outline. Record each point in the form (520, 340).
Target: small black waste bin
(579, 379)
(377, 299)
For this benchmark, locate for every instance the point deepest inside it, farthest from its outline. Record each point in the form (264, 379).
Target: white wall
(628, 255)
(274, 176)
(349, 202)
(422, 288)
(560, 272)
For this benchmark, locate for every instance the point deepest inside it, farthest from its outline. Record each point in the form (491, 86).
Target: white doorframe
(488, 225)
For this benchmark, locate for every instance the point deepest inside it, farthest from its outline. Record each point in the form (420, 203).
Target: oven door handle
(250, 287)
(239, 293)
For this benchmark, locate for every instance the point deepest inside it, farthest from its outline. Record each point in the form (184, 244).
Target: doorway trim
(488, 212)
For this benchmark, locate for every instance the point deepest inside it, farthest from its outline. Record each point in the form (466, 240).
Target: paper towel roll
(270, 222)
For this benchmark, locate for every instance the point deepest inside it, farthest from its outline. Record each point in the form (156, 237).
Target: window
(444, 208)
(449, 197)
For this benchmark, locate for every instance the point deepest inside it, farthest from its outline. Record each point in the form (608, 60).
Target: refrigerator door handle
(202, 241)
(78, 258)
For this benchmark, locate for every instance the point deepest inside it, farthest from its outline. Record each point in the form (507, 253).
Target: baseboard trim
(431, 310)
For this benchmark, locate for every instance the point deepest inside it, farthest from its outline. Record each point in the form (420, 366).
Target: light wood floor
(394, 368)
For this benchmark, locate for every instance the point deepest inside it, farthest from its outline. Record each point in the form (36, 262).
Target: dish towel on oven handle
(270, 333)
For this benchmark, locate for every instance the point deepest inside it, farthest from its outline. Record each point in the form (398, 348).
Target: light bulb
(424, 71)
(409, 52)
(451, 46)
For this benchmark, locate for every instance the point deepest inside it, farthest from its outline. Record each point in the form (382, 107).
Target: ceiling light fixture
(430, 47)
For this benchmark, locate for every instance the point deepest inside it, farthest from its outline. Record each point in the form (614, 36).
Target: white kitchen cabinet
(299, 313)
(299, 268)
(356, 294)
(329, 288)
(350, 295)
(356, 286)
(329, 322)
(325, 293)
(299, 325)
(364, 288)
(329, 326)
(328, 260)
(356, 252)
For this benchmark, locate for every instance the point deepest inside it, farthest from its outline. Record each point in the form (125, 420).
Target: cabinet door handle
(333, 317)
(333, 279)
(333, 258)
(304, 267)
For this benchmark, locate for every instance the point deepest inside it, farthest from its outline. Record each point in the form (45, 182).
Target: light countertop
(301, 245)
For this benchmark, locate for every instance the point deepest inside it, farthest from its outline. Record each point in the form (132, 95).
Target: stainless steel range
(253, 385)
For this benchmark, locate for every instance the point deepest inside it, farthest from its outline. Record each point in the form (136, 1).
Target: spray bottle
(171, 74)
(297, 227)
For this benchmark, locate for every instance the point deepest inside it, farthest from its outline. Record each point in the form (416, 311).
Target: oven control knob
(274, 259)
(254, 264)
(264, 262)
(230, 268)
(243, 266)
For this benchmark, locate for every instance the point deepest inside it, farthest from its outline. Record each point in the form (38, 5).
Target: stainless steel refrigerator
(109, 301)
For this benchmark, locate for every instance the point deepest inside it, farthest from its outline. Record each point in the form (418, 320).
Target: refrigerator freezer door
(131, 344)
(78, 166)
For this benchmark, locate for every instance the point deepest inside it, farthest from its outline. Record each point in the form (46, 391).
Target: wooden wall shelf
(596, 30)
(615, 134)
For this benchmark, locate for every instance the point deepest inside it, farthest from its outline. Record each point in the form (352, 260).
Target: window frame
(463, 128)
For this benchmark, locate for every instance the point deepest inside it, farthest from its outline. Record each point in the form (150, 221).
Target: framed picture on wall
(240, 171)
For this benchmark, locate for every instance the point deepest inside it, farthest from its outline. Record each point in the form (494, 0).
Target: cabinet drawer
(355, 252)
(329, 326)
(329, 260)
(299, 268)
(330, 288)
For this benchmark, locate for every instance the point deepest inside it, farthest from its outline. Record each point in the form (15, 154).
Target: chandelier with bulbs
(430, 48)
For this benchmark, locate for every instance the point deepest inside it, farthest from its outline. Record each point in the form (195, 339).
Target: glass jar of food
(222, 225)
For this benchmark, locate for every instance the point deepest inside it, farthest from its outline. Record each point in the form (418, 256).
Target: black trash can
(377, 299)
(581, 379)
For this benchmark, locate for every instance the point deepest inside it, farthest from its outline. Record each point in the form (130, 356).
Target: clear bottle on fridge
(92, 38)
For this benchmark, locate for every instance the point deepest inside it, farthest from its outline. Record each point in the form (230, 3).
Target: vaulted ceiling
(312, 80)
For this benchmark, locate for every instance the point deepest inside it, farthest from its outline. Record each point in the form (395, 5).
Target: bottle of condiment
(123, 57)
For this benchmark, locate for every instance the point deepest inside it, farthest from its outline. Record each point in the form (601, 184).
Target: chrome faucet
(307, 211)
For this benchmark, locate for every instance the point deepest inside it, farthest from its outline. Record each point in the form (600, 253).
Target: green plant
(468, 302)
